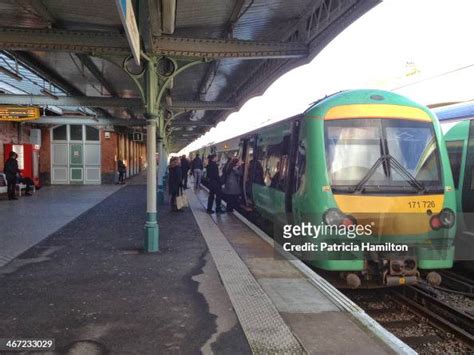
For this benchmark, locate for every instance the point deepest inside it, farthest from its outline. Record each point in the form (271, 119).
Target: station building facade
(75, 153)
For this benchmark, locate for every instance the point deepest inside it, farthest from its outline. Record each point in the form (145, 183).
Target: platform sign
(129, 22)
(137, 137)
(19, 113)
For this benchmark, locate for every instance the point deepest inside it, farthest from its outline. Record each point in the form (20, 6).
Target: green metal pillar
(151, 225)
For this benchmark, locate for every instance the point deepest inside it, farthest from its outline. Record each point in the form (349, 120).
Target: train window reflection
(455, 159)
(413, 145)
(352, 148)
(355, 146)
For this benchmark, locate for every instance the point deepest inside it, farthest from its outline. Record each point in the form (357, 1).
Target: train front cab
(358, 152)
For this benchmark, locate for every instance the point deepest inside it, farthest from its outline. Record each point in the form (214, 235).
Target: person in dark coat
(11, 171)
(174, 181)
(184, 170)
(196, 167)
(255, 176)
(122, 169)
(25, 181)
(212, 174)
(232, 188)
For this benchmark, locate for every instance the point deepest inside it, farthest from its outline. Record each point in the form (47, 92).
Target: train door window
(469, 170)
(274, 160)
(468, 184)
(250, 168)
(455, 159)
(300, 166)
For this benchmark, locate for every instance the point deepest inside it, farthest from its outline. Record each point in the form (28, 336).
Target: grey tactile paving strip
(263, 326)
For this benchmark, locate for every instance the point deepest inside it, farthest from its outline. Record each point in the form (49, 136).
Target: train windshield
(375, 155)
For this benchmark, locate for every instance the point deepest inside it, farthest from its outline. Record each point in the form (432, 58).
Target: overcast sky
(430, 38)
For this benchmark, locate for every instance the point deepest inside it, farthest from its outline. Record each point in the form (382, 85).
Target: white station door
(75, 155)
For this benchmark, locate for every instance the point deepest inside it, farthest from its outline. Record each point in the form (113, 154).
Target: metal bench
(19, 187)
(3, 184)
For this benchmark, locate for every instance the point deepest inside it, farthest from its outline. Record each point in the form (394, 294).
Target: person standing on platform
(185, 170)
(196, 167)
(212, 174)
(122, 169)
(11, 170)
(232, 190)
(175, 181)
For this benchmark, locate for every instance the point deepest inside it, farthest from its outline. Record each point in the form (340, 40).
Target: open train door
(291, 164)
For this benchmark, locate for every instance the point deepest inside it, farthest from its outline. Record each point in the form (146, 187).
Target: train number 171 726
(422, 204)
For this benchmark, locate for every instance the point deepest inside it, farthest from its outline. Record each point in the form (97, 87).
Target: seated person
(26, 181)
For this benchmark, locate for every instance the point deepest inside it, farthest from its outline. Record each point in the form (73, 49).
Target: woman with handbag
(232, 188)
(174, 182)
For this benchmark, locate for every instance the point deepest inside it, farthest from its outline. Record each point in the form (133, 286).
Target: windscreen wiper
(401, 169)
(369, 174)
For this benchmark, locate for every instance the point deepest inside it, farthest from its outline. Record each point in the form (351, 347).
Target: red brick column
(109, 151)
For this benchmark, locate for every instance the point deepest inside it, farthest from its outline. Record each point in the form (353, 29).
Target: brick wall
(10, 133)
(118, 146)
(109, 151)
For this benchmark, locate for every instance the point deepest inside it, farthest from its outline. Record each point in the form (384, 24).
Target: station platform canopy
(211, 56)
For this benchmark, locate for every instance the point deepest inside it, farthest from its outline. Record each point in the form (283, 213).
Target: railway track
(456, 282)
(418, 318)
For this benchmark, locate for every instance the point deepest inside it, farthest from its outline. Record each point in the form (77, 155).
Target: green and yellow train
(457, 122)
(355, 158)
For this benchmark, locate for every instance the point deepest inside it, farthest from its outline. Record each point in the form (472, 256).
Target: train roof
(344, 97)
(364, 96)
(457, 130)
(456, 112)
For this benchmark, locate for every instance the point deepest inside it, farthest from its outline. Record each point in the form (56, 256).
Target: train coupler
(400, 280)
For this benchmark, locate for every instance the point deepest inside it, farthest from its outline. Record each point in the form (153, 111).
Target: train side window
(455, 159)
(274, 160)
(300, 165)
(472, 178)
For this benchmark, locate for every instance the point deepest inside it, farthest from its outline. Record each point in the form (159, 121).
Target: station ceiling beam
(98, 121)
(90, 65)
(64, 41)
(192, 124)
(91, 101)
(227, 48)
(96, 72)
(98, 101)
(202, 105)
(97, 42)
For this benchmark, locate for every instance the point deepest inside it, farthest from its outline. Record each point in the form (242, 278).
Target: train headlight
(435, 222)
(333, 217)
(447, 217)
(348, 221)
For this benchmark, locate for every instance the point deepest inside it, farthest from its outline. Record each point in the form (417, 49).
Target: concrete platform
(320, 324)
(215, 287)
(27, 221)
(89, 286)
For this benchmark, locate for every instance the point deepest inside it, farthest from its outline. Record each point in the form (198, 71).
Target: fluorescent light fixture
(10, 73)
(49, 93)
(168, 16)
